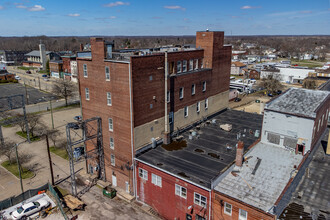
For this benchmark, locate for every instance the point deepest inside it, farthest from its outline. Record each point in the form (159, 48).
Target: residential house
(237, 68)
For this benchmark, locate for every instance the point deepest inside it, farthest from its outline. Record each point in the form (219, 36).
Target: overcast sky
(163, 17)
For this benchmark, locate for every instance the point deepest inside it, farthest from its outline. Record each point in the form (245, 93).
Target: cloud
(1, 7)
(305, 12)
(112, 17)
(74, 15)
(114, 4)
(36, 8)
(174, 7)
(156, 17)
(250, 7)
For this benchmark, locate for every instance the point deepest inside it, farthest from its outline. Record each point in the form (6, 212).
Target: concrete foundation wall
(156, 128)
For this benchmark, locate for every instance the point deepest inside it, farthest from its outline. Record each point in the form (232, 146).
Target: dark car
(45, 75)
(237, 100)
(77, 118)
(73, 125)
(28, 72)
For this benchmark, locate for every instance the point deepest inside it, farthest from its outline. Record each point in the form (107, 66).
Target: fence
(20, 198)
(58, 201)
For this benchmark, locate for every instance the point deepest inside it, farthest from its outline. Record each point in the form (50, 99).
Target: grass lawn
(14, 170)
(60, 152)
(22, 134)
(308, 63)
(26, 68)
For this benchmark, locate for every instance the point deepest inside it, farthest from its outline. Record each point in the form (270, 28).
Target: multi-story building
(144, 97)
(10, 57)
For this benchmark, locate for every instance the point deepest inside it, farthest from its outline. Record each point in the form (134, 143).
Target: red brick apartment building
(127, 90)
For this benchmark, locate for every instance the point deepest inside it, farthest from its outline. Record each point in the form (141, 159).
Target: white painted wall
(287, 125)
(288, 74)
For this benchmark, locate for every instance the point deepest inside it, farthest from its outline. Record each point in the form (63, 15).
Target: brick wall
(319, 124)
(163, 199)
(219, 200)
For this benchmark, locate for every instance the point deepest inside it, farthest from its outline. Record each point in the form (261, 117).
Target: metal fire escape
(91, 138)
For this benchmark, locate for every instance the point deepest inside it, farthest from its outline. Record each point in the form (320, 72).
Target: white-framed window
(196, 64)
(191, 65)
(318, 126)
(206, 105)
(181, 93)
(198, 106)
(109, 101)
(200, 200)
(143, 174)
(168, 96)
(178, 67)
(204, 86)
(110, 124)
(112, 143)
(180, 191)
(112, 160)
(184, 66)
(242, 214)
(228, 208)
(322, 119)
(202, 63)
(156, 180)
(186, 111)
(85, 70)
(87, 93)
(193, 89)
(107, 73)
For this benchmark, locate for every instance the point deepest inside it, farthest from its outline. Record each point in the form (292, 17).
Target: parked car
(45, 75)
(237, 100)
(17, 78)
(77, 118)
(46, 79)
(30, 208)
(73, 125)
(28, 72)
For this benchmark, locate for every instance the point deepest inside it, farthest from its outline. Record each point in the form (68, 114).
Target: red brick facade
(254, 74)
(66, 63)
(164, 198)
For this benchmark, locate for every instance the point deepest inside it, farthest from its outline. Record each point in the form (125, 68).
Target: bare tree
(53, 136)
(309, 84)
(65, 89)
(7, 149)
(34, 123)
(272, 82)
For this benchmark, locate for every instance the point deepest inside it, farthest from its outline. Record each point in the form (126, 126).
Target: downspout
(166, 76)
(210, 205)
(131, 119)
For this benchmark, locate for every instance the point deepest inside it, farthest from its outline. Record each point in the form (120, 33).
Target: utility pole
(26, 94)
(50, 161)
(19, 169)
(39, 83)
(51, 113)
(1, 136)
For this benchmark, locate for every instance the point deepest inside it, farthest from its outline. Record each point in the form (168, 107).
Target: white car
(17, 78)
(28, 209)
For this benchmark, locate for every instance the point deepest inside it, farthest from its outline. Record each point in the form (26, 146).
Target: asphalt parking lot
(34, 95)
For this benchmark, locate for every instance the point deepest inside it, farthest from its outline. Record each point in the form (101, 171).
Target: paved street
(9, 184)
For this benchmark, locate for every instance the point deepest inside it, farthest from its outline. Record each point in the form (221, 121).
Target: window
(180, 191)
(112, 160)
(87, 93)
(198, 106)
(178, 67)
(85, 70)
(150, 78)
(143, 174)
(228, 209)
(204, 86)
(157, 180)
(107, 73)
(109, 102)
(200, 200)
(112, 143)
(184, 66)
(206, 104)
(193, 89)
(196, 64)
(191, 65)
(242, 214)
(110, 124)
(202, 64)
(186, 111)
(151, 106)
(181, 93)
(168, 97)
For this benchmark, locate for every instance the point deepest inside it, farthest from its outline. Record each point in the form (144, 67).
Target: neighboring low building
(288, 75)
(33, 59)
(56, 68)
(67, 68)
(261, 183)
(237, 68)
(4, 75)
(176, 180)
(10, 57)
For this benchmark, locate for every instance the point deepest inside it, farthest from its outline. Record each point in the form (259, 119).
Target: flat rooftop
(297, 101)
(210, 151)
(260, 185)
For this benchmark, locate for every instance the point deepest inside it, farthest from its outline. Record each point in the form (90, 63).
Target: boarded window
(290, 142)
(273, 138)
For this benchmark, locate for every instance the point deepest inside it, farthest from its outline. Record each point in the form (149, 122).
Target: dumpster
(109, 192)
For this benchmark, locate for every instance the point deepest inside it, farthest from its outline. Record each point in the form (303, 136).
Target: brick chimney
(81, 48)
(239, 153)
